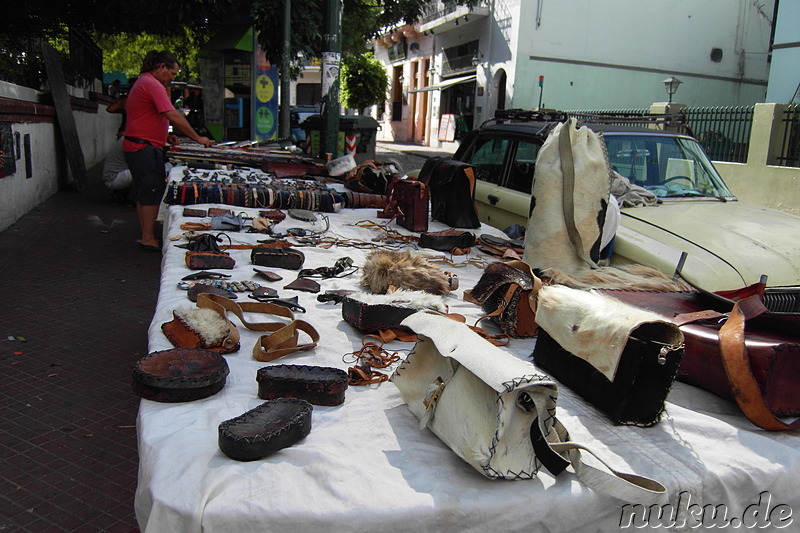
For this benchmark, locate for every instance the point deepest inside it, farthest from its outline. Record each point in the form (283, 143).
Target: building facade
(450, 71)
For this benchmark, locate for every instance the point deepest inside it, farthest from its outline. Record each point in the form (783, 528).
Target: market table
(366, 465)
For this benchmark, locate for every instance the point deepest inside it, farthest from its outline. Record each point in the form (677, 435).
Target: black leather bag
(284, 257)
(452, 185)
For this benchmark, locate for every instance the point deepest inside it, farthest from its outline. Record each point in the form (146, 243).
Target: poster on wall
(447, 128)
(265, 98)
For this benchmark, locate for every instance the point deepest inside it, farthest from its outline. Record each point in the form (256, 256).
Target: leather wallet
(204, 260)
(283, 257)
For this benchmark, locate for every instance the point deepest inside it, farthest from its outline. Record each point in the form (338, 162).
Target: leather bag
(504, 292)
(449, 240)
(408, 201)
(318, 385)
(452, 185)
(283, 257)
(621, 359)
(738, 350)
(496, 411)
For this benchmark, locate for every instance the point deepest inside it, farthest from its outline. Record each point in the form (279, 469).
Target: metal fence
(790, 151)
(724, 132)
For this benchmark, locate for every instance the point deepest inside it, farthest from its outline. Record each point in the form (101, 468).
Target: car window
(520, 177)
(488, 157)
(670, 167)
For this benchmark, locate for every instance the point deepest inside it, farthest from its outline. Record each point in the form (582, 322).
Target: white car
(728, 244)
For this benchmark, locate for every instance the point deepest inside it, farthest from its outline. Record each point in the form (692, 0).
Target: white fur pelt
(207, 323)
(384, 269)
(418, 300)
(547, 240)
(629, 277)
(596, 327)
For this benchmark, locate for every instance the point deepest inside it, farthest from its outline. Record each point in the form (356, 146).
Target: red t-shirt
(146, 102)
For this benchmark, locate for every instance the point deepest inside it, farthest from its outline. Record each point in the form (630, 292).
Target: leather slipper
(149, 248)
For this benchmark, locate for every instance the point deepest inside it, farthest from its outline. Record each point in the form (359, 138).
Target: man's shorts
(149, 174)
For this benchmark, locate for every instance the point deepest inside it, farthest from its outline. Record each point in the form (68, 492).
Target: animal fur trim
(384, 269)
(417, 300)
(206, 323)
(631, 277)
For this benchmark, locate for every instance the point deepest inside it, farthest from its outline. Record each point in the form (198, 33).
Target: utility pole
(331, 56)
(284, 120)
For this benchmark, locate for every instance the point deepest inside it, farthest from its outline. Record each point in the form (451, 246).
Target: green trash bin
(357, 136)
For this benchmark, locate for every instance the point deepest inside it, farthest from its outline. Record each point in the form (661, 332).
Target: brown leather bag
(408, 200)
(745, 354)
(504, 292)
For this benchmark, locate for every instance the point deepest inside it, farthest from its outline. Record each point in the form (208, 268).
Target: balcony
(439, 17)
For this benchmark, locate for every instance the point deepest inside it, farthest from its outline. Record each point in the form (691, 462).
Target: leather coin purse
(317, 385)
(283, 257)
(271, 426)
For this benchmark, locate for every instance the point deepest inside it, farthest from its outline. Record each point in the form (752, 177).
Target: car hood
(753, 240)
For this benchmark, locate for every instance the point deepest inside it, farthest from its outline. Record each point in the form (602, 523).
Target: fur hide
(206, 323)
(630, 277)
(418, 300)
(547, 239)
(384, 269)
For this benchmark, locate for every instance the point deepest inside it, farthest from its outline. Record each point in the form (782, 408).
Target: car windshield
(669, 167)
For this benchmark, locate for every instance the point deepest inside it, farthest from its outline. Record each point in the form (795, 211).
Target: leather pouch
(273, 425)
(369, 312)
(204, 260)
(283, 257)
(408, 201)
(496, 411)
(447, 240)
(621, 359)
(452, 185)
(227, 222)
(191, 212)
(318, 385)
(504, 293)
(179, 375)
(770, 346)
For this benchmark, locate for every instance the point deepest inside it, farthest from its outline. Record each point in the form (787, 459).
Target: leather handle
(737, 367)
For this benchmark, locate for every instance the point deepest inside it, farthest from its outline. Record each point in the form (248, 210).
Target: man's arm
(180, 123)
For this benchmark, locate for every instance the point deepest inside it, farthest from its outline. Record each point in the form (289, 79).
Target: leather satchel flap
(283, 257)
(498, 275)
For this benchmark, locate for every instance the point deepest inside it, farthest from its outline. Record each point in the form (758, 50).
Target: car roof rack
(674, 120)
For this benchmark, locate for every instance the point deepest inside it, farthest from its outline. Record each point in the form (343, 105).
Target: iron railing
(790, 151)
(724, 132)
(439, 9)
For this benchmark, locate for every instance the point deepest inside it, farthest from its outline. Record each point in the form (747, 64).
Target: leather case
(273, 425)
(179, 375)
(447, 240)
(408, 201)
(204, 260)
(374, 317)
(283, 257)
(318, 385)
(771, 341)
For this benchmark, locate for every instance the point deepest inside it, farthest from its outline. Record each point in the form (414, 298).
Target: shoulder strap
(740, 375)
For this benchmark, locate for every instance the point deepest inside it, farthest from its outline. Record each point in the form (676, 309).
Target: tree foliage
(363, 81)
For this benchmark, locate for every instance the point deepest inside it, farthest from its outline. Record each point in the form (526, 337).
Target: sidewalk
(78, 298)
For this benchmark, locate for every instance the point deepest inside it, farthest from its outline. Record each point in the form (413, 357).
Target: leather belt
(136, 140)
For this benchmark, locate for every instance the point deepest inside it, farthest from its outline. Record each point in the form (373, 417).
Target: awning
(446, 84)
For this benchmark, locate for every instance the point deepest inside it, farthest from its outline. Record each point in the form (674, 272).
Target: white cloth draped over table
(367, 467)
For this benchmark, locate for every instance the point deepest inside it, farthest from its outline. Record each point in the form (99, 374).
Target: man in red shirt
(149, 114)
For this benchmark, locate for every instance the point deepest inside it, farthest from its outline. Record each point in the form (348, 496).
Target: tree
(363, 81)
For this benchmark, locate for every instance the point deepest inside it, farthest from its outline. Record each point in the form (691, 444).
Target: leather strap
(568, 197)
(283, 338)
(737, 367)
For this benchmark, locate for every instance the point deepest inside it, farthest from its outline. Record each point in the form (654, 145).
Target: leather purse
(621, 359)
(754, 360)
(318, 385)
(273, 425)
(370, 313)
(504, 291)
(204, 260)
(452, 185)
(408, 201)
(179, 375)
(447, 240)
(496, 411)
(283, 257)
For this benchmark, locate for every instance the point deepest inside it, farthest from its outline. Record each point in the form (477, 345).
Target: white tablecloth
(367, 467)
